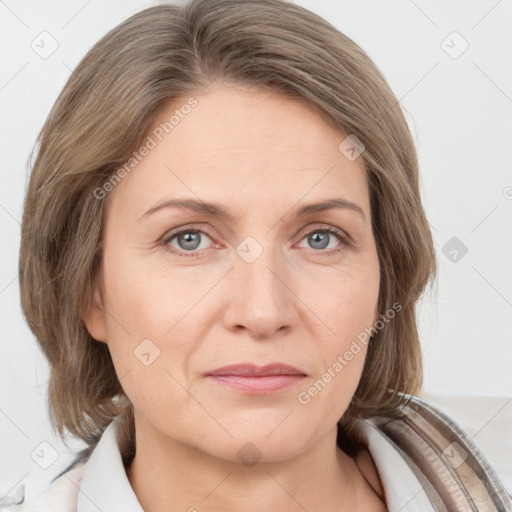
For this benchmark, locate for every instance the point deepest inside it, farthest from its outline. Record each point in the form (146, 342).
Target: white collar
(403, 490)
(105, 485)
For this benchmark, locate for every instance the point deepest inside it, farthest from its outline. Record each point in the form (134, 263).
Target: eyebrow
(219, 211)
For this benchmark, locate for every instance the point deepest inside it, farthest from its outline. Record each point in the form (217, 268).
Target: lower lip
(258, 385)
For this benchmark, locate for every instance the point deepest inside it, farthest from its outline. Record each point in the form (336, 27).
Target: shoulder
(441, 454)
(60, 496)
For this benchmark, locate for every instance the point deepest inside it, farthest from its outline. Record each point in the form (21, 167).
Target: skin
(262, 157)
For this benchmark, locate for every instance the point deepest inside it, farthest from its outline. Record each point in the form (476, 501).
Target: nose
(261, 300)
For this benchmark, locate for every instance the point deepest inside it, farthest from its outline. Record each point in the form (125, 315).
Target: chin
(255, 448)
(259, 436)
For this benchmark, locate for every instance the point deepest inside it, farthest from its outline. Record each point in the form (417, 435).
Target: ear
(94, 315)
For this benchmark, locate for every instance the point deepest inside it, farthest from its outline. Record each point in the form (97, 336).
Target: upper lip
(251, 370)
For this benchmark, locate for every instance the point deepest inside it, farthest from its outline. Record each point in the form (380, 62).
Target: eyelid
(318, 226)
(346, 241)
(345, 238)
(169, 235)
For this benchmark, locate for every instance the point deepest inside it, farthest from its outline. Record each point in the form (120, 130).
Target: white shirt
(105, 486)
(102, 484)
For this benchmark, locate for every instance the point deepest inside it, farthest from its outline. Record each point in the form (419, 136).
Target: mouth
(248, 378)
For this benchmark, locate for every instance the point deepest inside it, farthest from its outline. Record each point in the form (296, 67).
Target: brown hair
(104, 113)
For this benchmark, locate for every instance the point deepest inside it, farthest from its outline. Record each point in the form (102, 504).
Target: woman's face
(185, 291)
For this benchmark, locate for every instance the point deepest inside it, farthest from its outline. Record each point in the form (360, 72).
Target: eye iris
(320, 238)
(190, 240)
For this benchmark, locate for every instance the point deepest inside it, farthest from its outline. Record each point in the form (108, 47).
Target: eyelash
(343, 237)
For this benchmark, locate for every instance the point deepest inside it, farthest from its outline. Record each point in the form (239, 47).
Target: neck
(186, 478)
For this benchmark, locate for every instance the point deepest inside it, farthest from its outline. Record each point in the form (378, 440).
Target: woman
(223, 246)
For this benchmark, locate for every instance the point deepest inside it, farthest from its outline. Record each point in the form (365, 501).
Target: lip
(252, 370)
(248, 378)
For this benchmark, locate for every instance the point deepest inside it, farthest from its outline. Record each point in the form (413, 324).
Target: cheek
(348, 304)
(348, 308)
(135, 317)
(146, 300)
(155, 321)
(353, 309)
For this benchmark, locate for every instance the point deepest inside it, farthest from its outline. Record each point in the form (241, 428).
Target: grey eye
(189, 240)
(319, 239)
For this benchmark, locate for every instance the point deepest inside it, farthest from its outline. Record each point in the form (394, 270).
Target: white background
(459, 110)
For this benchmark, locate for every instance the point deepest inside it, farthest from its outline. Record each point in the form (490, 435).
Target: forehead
(243, 146)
